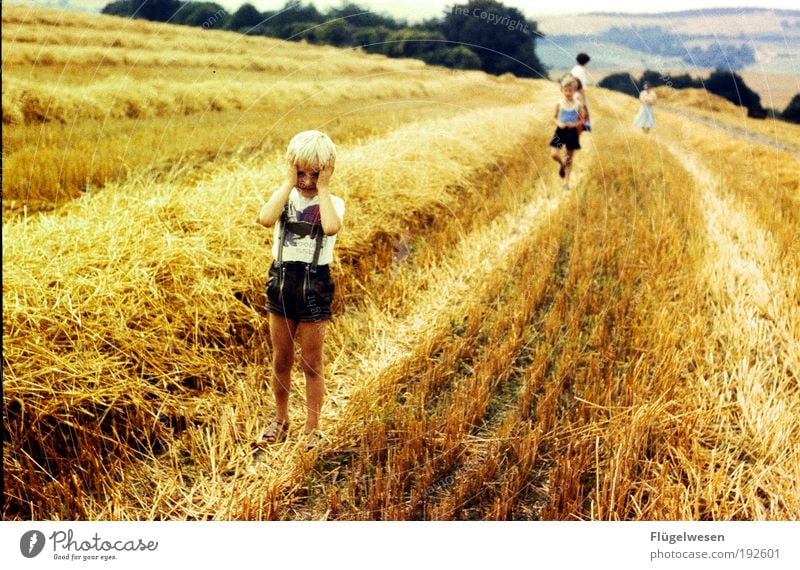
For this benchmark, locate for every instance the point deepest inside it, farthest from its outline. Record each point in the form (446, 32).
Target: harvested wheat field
(501, 349)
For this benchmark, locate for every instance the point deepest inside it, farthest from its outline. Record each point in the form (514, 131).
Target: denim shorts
(302, 295)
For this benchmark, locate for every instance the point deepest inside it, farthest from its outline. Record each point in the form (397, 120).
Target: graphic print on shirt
(310, 215)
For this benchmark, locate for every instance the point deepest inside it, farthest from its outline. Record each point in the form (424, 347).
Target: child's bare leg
(282, 331)
(311, 337)
(555, 154)
(568, 165)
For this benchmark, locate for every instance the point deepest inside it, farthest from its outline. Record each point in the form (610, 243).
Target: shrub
(792, 111)
(622, 82)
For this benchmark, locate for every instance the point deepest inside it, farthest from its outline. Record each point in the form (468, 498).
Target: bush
(155, 10)
(336, 33)
(203, 15)
(371, 39)
(657, 79)
(245, 18)
(413, 43)
(308, 31)
(358, 17)
(460, 57)
(122, 8)
(792, 111)
(284, 22)
(732, 87)
(622, 82)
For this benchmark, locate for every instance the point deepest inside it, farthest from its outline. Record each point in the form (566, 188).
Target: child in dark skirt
(570, 114)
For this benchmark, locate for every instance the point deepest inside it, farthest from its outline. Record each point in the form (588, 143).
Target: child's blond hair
(311, 150)
(569, 79)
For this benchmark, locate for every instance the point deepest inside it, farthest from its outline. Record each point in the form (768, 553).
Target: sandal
(313, 439)
(276, 432)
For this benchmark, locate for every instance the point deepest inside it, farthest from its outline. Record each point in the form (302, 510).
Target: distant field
(776, 89)
(722, 25)
(774, 37)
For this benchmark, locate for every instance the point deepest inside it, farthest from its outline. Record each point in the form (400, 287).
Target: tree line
(655, 40)
(726, 84)
(481, 34)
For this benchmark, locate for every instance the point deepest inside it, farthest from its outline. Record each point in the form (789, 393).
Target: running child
(306, 217)
(569, 115)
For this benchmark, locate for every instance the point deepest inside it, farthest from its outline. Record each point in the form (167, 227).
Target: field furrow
(752, 359)
(412, 417)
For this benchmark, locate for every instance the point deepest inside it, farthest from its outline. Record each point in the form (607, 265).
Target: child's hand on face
(291, 174)
(324, 177)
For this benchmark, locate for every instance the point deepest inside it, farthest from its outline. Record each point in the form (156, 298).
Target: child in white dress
(646, 118)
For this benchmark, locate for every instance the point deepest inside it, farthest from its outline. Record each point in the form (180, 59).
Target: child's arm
(271, 211)
(558, 123)
(582, 115)
(331, 223)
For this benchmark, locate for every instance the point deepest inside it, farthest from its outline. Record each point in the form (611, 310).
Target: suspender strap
(317, 248)
(282, 233)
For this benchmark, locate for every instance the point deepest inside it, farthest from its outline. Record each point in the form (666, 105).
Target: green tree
(155, 10)
(294, 21)
(202, 14)
(336, 33)
(622, 82)
(792, 111)
(461, 57)
(501, 36)
(245, 18)
(733, 88)
(413, 43)
(122, 8)
(308, 31)
(657, 79)
(371, 39)
(359, 17)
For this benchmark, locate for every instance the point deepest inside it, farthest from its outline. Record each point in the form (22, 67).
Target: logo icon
(31, 543)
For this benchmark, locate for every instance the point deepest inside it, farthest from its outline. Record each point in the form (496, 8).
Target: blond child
(569, 115)
(306, 218)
